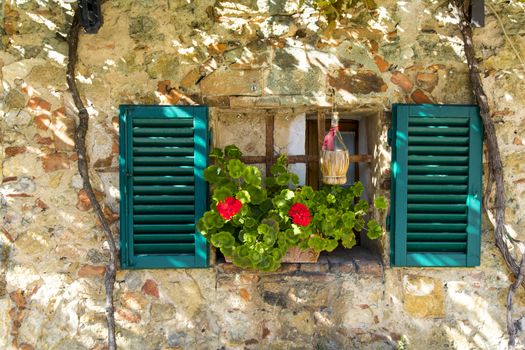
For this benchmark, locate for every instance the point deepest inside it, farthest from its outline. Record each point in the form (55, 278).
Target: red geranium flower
(229, 207)
(300, 214)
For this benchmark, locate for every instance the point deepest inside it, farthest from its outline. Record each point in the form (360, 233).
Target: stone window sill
(357, 260)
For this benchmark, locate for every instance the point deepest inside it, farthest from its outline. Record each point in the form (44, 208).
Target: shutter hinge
(388, 222)
(389, 137)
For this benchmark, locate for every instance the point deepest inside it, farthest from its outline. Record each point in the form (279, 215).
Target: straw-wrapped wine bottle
(334, 160)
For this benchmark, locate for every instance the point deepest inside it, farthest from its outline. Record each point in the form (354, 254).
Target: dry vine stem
(494, 160)
(83, 169)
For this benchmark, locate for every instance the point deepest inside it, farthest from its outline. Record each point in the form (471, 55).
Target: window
(436, 185)
(163, 153)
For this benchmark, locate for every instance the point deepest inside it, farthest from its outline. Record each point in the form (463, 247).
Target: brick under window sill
(357, 260)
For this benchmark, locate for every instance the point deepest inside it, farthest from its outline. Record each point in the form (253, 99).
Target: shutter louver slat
(153, 209)
(163, 180)
(435, 197)
(163, 199)
(162, 141)
(162, 132)
(183, 228)
(164, 159)
(438, 150)
(166, 170)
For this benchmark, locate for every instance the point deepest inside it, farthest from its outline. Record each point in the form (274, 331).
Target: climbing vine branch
(495, 164)
(83, 169)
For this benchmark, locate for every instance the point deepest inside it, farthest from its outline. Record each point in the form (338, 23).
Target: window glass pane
(300, 170)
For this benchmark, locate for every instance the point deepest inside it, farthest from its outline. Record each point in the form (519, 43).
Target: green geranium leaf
(236, 168)
(359, 224)
(327, 226)
(255, 257)
(317, 243)
(233, 152)
(330, 198)
(272, 223)
(243, 196)
(283, 201)
(270, 181)
(349, 241)
(374, 230)
(212, 220)
(250, 222)
(287, 194)
(362, 207)
(348, 219)
(277, 169)
(358, 189)
(227, 251)
(249, 237)
(257, 195)
(294, 178)
(216, 153)
(380, 203)
(221, 193)
(223, 239)
(241, 257)
(201, 228)
(330, 245)
(252, 176)
(307, 192)
(213, 174)
(264, 229)
(269, 238)
(283, 179)
(268, 263)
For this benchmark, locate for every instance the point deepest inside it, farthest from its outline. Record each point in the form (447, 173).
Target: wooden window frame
(270, 155)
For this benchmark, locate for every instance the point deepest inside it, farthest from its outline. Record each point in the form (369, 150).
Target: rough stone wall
(235, 56)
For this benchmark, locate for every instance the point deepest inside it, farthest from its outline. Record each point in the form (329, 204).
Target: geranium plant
(254, 221)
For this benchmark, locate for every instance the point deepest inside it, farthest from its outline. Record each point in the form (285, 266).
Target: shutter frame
(200, 256)
(443, 252)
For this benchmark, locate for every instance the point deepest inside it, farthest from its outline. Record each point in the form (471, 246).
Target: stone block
(38, 104)
(274, 299)
(14, 150)
(55, 161)
(402, 81)
(151, 288)
(246, 130)
(91, 271)
(381, 63)
(15, 99)
(225, 81)
(242, 101)
(362, 83)
(294, 81)
(419, 96)
(427, 81)
(127, 315)
(423, 296)
(314, 268)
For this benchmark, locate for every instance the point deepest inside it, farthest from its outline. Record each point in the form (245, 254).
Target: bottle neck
(335, 120)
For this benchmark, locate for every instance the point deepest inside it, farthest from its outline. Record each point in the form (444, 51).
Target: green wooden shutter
(436, 185)
(163, 153)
